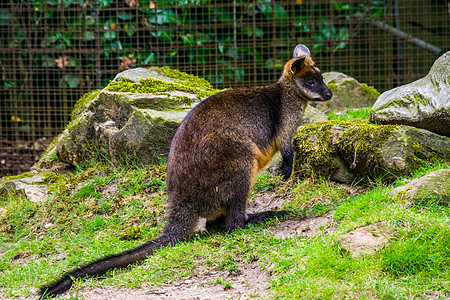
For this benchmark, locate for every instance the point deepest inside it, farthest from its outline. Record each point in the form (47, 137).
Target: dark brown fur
(215, 156)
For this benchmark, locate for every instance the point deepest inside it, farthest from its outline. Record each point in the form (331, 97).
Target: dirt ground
(249, 282)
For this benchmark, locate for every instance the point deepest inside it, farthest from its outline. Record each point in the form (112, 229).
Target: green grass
(82, 221)
(355, 115)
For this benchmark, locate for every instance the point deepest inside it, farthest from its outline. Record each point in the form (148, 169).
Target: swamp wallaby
(216, 154)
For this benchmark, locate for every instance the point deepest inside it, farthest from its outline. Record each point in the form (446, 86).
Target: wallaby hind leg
(236, 215)
(180, 226)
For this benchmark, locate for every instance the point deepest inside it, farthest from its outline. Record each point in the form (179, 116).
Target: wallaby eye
(310, 82)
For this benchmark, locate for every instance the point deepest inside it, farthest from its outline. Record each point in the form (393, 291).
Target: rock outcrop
(424, 103)
(348, 151)
(366, 240)
(347, 93)
(33, 187)
(430, 189)
(133, 119)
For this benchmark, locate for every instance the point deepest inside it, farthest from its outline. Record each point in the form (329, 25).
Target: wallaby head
(301, 73)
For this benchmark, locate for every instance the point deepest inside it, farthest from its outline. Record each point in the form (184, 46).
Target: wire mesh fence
(53, 51)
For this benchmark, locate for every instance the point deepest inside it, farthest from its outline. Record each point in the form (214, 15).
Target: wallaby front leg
(287, 153)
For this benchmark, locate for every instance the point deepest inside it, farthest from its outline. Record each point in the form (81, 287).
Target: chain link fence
(53, 51)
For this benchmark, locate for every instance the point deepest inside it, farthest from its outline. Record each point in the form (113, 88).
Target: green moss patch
(360, 146)
(366, 150)
(48, 177)
(182, 82)
(320, 146)
(369, 91)
(315, 151)
(86, 98)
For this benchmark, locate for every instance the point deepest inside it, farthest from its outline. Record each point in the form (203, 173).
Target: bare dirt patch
(309, 226)
(249, 281)
(265, 201)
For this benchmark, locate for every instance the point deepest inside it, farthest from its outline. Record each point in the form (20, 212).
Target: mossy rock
(347, 151)
(347, 93)
(430, 189)
(423, 103)
(133, 119)
(34, 186)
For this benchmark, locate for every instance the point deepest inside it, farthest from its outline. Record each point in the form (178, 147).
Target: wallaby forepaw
(286, 173)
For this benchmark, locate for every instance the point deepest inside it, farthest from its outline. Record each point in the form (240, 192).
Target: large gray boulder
(347, 151)
(424, 103)
(432, 188)
(347, 93)
(133, 119)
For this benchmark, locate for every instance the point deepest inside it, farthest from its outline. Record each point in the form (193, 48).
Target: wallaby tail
(101, 266)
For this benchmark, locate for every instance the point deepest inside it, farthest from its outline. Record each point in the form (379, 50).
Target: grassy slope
(99, 211)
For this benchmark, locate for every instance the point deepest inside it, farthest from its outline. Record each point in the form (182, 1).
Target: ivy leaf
(67, 3)
(130, 29)
(280, 13)
(150, 58)
(123, 15)
(9, 84)
(89, 20)
(72, 80)
(5, 18)
(110, 35)
(105, 3)
(188, 39)
(88, 36)
(167, 16)
(266, 9)
(164, 35)
(303, 27)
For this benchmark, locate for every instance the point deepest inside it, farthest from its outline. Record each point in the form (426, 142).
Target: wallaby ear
(301, 50)
(297, 65)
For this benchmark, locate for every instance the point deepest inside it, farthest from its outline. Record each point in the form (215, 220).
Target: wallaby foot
(262, 216)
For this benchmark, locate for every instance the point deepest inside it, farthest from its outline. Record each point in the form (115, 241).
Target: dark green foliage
(119, 26)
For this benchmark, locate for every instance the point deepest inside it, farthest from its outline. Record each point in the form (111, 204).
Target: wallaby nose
(328, 95)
